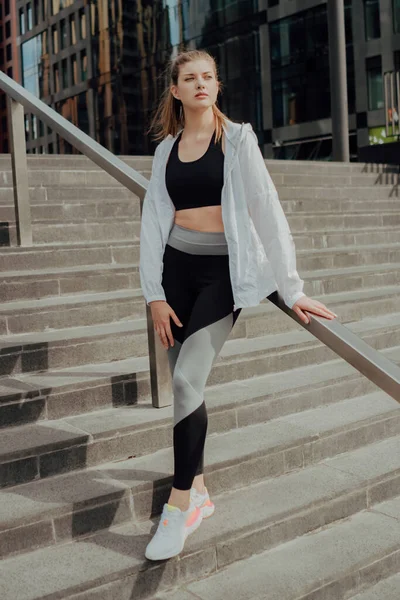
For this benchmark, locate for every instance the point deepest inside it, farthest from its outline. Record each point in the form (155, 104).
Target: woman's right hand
(161, 313)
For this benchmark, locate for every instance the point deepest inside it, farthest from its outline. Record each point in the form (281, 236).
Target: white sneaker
(203, 502)
(173, 529)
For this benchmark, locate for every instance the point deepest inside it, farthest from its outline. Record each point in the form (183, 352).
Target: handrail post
(20, 173)
(160, 375)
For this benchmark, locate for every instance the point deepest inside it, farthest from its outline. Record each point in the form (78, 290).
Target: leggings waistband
(197, 242)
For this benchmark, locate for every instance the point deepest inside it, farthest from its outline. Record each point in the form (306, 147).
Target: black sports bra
(198, 182)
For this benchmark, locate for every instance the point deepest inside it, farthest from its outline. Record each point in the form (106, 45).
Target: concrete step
(57, 312)
(57, 393)
(54, 281)
(58, 348)
(320, 511)
(89, 210)
(126, 229)
(77, 211)
(323, 258)
(79, 310)
(387, 589)
(50, 447)
(300, 223)
(240, 358)
(334, 562)
(129, 229)
(79, 161)
(266, 451)
(314, 240)
(365, 191)
(97, 177)
(71, 254)
(340, 205)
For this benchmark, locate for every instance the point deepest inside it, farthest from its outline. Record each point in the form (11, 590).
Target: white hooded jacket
(261, 249)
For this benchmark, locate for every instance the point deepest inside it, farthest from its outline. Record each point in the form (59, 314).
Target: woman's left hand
(313, 306)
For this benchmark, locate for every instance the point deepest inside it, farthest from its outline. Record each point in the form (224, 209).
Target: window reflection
(372, 19)
(35, 65)
(396, 16)
(300, 67)
(375, 84)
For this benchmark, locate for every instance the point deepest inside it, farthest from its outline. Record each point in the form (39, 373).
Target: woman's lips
(201, 96)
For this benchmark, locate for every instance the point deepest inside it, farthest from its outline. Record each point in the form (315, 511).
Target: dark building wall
(8, 62)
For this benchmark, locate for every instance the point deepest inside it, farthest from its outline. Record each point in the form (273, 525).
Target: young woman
(214, 239)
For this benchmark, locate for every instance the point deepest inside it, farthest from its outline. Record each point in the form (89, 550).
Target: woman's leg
(209, 325)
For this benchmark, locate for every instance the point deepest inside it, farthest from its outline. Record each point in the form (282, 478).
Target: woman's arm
(151, 248)
(269, 220)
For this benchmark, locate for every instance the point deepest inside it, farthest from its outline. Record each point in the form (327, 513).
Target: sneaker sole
(207, 511)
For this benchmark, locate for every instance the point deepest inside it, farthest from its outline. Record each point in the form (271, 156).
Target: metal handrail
(368, 361)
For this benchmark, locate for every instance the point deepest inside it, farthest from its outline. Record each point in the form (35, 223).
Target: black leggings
(197, 286)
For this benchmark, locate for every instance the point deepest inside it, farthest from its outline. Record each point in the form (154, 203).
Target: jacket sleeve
(269, 220)
(151, 246)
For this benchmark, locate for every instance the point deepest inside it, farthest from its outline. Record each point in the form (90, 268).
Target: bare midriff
(204, 218)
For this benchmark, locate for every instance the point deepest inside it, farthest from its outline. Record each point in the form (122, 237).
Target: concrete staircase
(302, 455)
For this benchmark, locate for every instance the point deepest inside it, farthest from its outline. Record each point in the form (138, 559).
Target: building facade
(9, 62)
(101, 64)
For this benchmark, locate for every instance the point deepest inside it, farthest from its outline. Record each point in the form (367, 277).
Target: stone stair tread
(34, 273)
(24, 384)
(388, 589)
(61, 301)
(113, 554)
(303, 565)
(232, 347)
(350, 249)
(72, 333)
(67, 246)
(289, 430)
(312, 274)
(64, 494)
(81, 298)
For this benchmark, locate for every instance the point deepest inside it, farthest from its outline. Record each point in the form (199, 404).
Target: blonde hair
(169, 117)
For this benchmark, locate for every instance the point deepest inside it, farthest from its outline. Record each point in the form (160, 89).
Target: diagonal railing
(368, 361)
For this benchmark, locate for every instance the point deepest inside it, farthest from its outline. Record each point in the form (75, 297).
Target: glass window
(21, 21)
(34, 131)
(82, 24)
(375, 84)
(7, 7)
(54, 35)
(64, 71)
(396, 58)
(29, 14)
(36, 15)
(72, 28)
(56, 79)
(1, 34)
(8, 52)
(63, 34)
(3, 100)
(32, 66)
(396, 16)
(74, 64)
(83, 65)
(8, 29)
(372, 19)
(10, 71)
(1, 56)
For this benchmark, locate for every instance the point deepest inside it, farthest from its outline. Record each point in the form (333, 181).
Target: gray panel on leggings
(195, 360)
(173, 353)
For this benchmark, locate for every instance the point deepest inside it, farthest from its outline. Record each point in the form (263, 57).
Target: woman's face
(196, 77)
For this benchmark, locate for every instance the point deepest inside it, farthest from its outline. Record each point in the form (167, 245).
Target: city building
(8, 62)
(102, 64)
